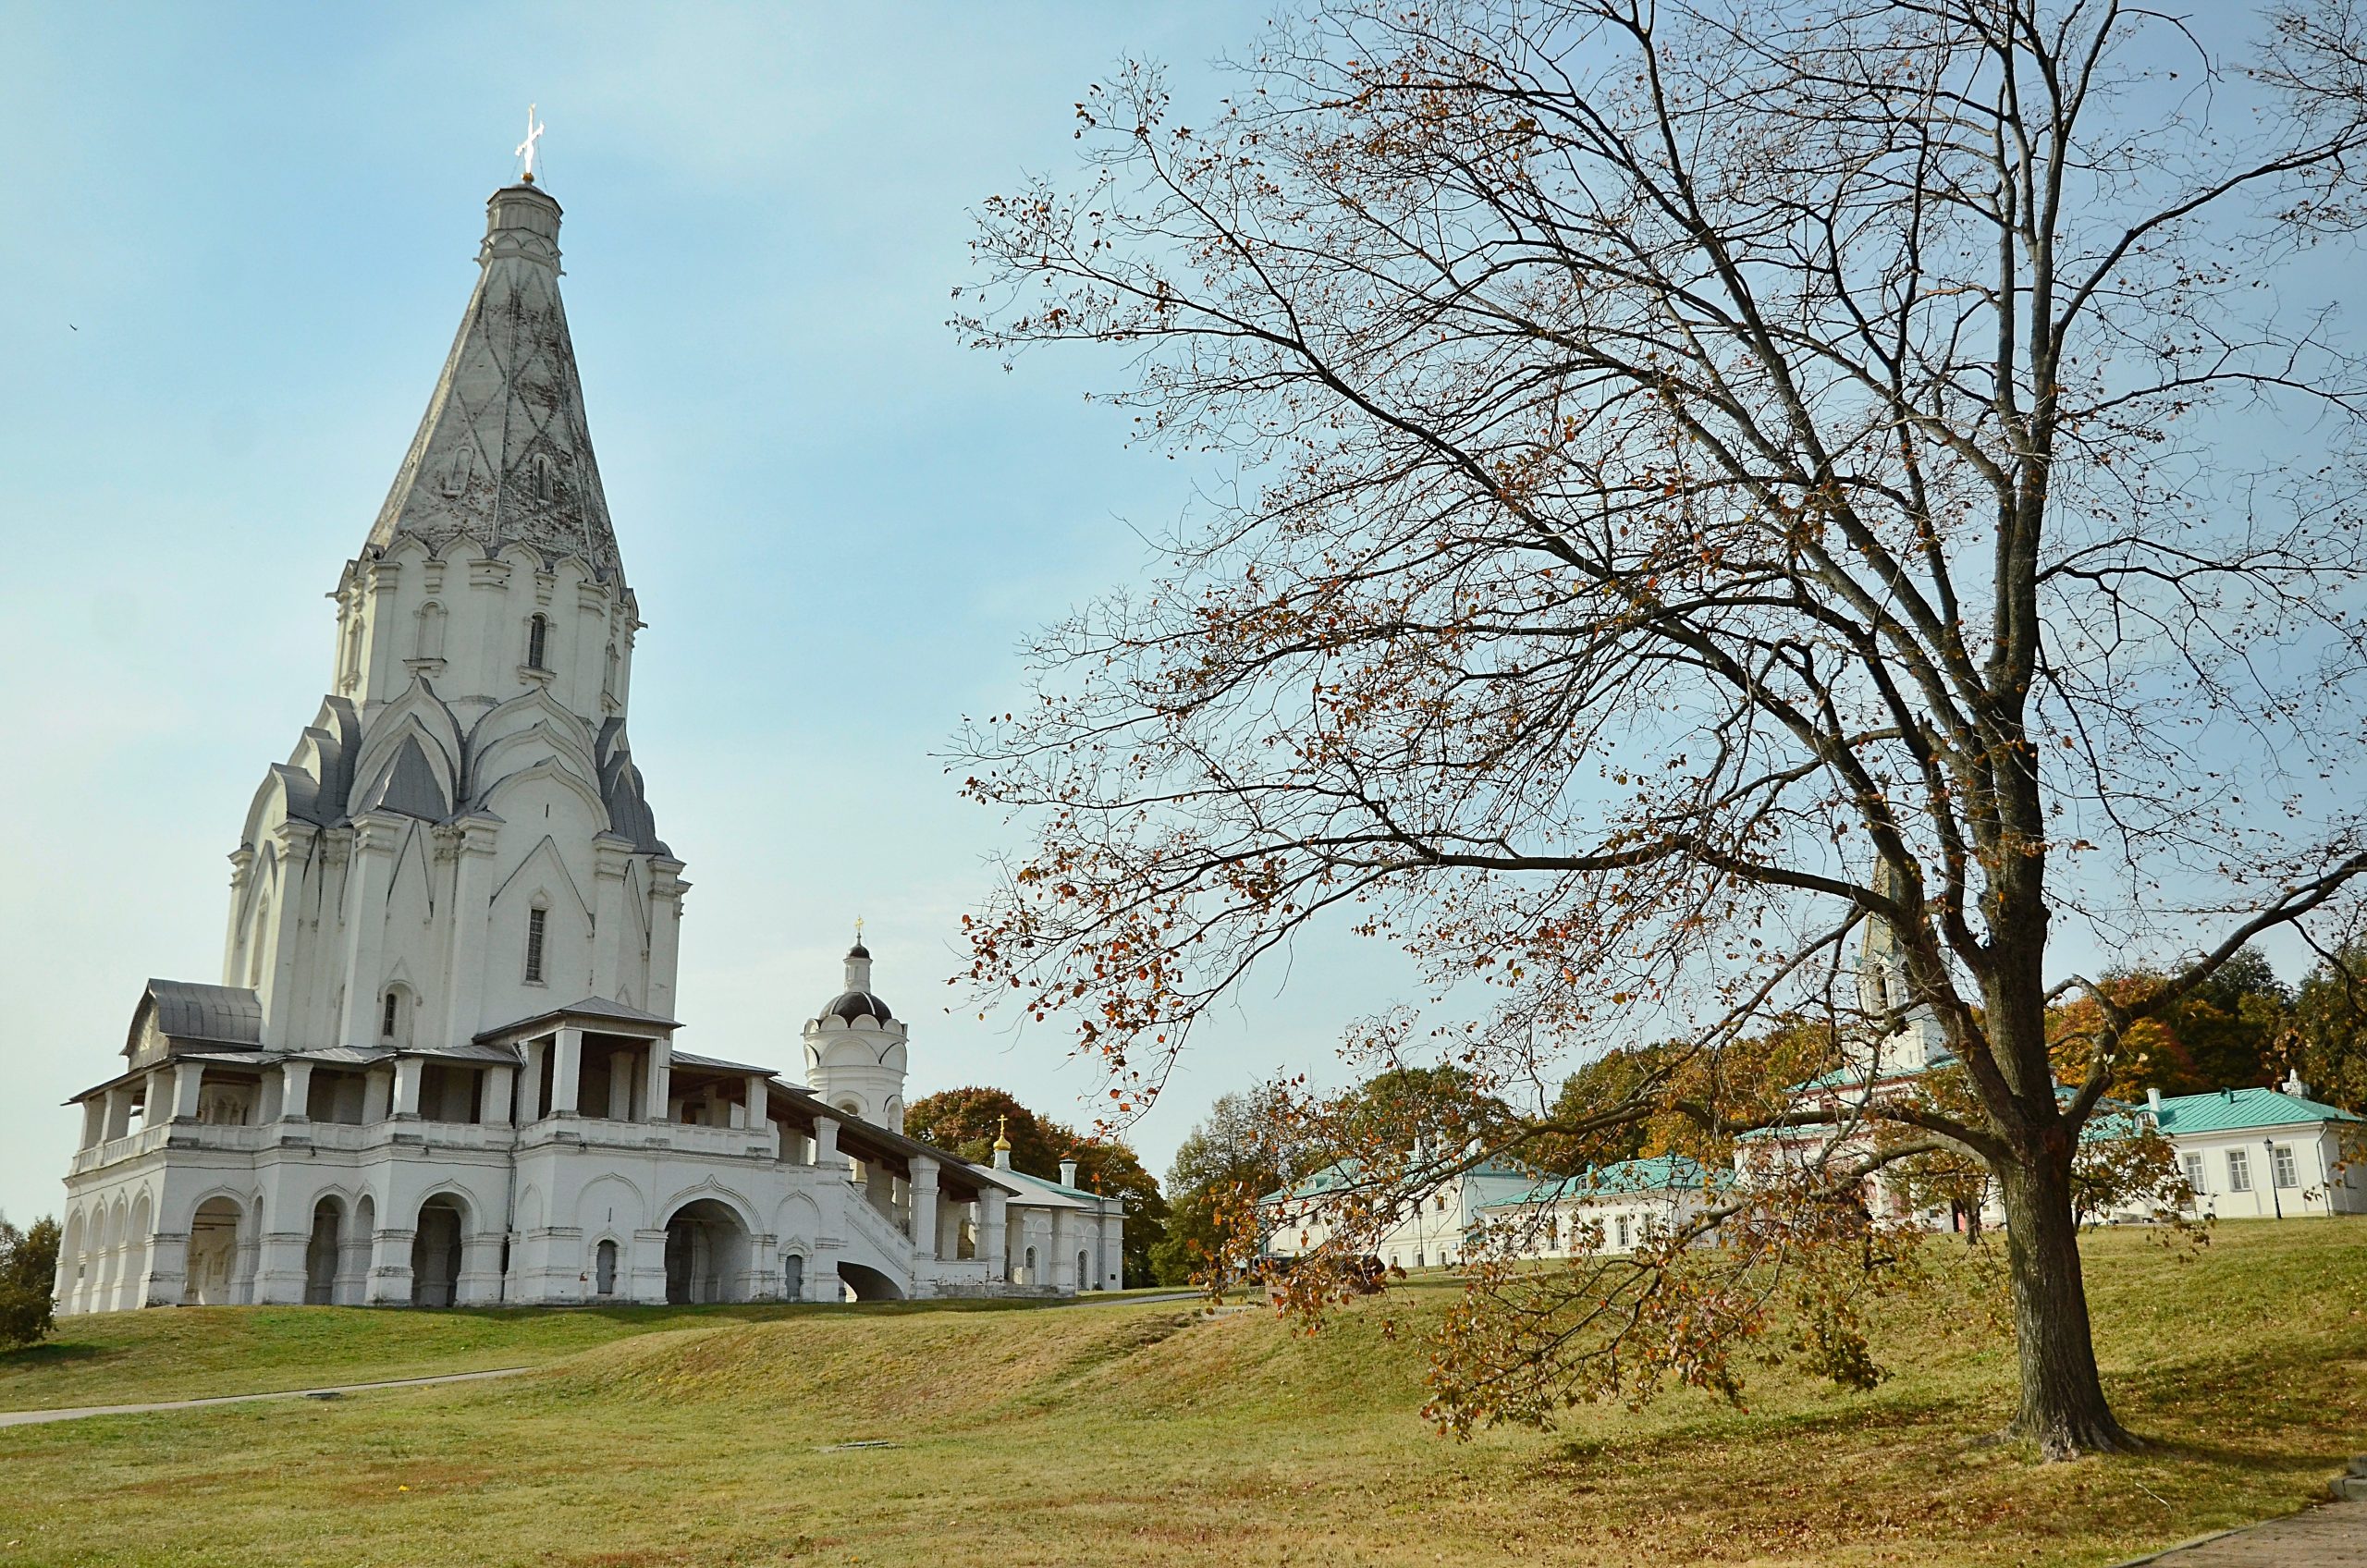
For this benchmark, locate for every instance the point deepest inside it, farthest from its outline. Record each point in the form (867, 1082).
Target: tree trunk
(2063, 1408)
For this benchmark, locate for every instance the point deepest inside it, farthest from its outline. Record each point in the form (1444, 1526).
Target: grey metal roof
(852, 1005)
(626, 796)
(716, 1064)
(187, 1009)
(596, 1008)
(466, 1051)
(406, 785)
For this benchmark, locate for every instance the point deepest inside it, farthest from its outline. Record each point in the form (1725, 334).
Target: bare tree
(1707, 479)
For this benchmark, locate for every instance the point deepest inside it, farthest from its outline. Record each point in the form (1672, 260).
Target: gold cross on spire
(1002, 1133)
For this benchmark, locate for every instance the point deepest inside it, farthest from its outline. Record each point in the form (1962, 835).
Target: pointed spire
(503, 455)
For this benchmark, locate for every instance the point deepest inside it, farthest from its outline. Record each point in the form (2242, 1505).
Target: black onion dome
(852, 1005)
(858, 950)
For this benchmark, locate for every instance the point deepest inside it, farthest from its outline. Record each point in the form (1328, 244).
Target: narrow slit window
(535, 920)
(538, 636)
(388, 1014)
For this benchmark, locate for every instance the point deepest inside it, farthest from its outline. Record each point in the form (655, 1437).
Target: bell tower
(854, 1050)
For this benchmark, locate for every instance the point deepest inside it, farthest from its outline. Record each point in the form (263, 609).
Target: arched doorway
(436, 1251)
(213, 1253)
(603, 1269)
(869, 1284)
(1085, 1281)
(322, 1252)
(706, 1254)
(793, 1275)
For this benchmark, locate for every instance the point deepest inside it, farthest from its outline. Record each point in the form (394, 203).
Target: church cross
(527, 149)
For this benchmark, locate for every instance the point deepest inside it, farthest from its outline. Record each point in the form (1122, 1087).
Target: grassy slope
(1124, 1434)
(138, 1357)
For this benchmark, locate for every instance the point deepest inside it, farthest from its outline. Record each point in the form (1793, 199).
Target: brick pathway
(2331, 1535)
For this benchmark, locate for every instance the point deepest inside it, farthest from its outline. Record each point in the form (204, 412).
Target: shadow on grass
(31, 1358)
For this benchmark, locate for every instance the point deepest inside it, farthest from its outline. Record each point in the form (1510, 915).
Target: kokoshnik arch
(439, 1066)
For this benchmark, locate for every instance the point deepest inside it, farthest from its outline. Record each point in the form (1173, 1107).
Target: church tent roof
(503, 454)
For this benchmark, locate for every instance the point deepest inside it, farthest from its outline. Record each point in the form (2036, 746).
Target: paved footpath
(35, 1417)
(2331, 1535)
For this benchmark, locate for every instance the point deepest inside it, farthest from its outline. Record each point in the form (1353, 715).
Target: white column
(471, 912)
(994, 1202)
(168, 1271)
(480, 1280)
(620, 1087)
(154, 1094)
(757, 1100)
(530, 1083)
(389, 1282)
(665, 890)
(1113, 1253)
(118, 1117)
(188, 1079)
(406, 1075)
(377, 1089)
(494, 1110)
(95, 1121)
(366, 881)
(923, 1206)
(295, 1090)
(611, 857)
(565, 1072)
(658, 1092)
(826, 1142)
(1063, 1268)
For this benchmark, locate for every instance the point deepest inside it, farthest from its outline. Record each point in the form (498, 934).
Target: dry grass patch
(1119, 1434)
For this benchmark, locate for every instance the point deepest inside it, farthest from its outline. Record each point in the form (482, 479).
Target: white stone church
(439, 1066)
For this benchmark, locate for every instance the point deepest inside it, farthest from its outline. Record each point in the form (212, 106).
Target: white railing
(881, 1230)
(130, 1146)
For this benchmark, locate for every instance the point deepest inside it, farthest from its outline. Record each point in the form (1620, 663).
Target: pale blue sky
(237, 241)
(234, 243)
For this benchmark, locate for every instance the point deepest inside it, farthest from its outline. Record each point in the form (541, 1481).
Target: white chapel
(440, 1067)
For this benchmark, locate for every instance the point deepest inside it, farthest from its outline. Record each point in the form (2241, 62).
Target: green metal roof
(1660, 1174)
(2235, 1111)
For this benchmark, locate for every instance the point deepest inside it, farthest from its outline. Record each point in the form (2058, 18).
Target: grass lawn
(138, 1357)
(1135, 1433)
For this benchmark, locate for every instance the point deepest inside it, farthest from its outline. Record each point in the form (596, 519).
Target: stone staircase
(2351, 1486)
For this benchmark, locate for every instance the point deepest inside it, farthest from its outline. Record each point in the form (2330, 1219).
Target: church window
(535, 921)
(609, 680)
(1031, 1265)
(351, 674)
(538, 636)
(429, 642)
(254, 943)
(389, 1014)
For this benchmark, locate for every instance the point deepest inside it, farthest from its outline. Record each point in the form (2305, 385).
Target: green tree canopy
(28, 1275)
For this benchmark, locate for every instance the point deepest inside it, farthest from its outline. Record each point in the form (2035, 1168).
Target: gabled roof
(503, 455)
(191, 1010)
(406, 785)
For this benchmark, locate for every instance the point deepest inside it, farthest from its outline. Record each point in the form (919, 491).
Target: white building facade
(439, 1066)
